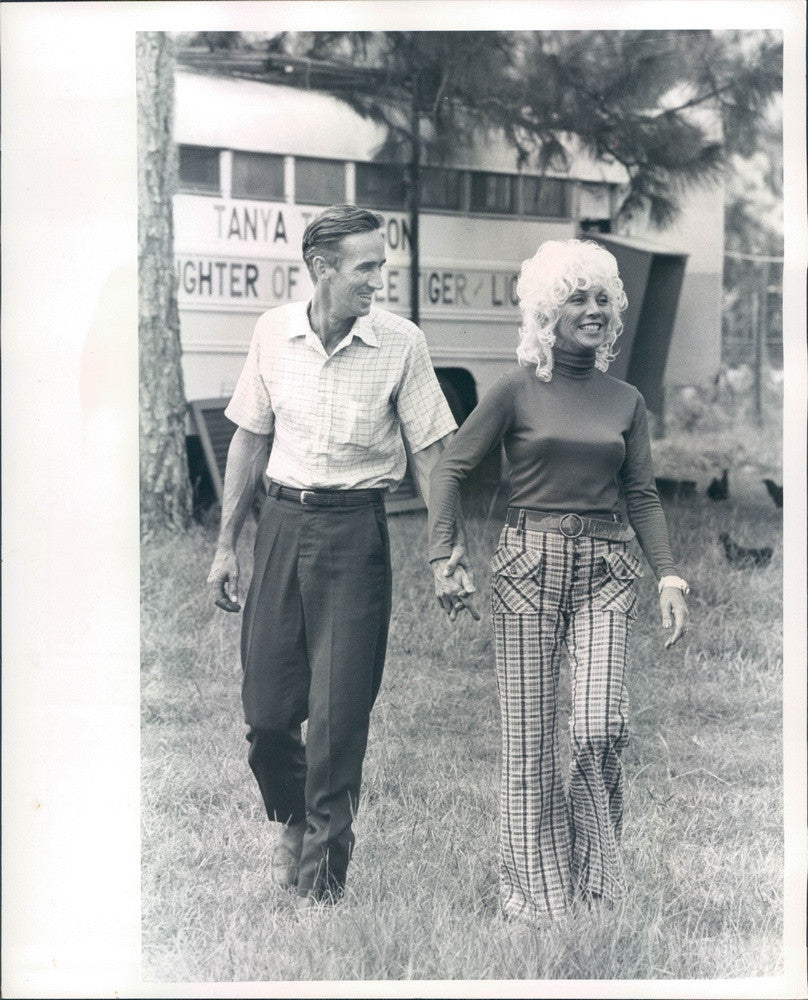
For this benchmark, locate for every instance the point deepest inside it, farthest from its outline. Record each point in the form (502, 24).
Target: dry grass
(703, 829)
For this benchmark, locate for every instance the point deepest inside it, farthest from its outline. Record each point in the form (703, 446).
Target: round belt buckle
(576, 530)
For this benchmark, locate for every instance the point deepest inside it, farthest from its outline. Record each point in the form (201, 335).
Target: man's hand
(674, 613)
(454, 584)
(223, 580)
(246, 462)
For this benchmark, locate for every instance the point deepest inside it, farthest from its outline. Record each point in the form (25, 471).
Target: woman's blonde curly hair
(547, 280)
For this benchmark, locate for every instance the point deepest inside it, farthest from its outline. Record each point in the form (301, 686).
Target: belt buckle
(307, 493)
(573, 533)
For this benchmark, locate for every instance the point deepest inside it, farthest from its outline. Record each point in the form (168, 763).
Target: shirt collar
(362, 328)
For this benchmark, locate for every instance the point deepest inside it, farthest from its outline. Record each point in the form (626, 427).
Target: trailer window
(594, 201)
(547, 196)
(440, 188)
(493, 193)
(319, 182)
(380, 185)
(258, 175)
(199, 170)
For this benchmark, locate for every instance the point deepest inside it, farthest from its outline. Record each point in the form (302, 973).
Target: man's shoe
(311, 903)
(304, 903)
(286, 856)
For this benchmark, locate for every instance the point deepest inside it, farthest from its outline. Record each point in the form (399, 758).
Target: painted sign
(251, 282)
(234, 226)
(253, 262)
(260, 283)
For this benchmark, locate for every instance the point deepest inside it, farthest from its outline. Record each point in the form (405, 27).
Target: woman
(563, 574)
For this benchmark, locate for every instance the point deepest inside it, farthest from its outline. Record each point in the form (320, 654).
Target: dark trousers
(314, 637)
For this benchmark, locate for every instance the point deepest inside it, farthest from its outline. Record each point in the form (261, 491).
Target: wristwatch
(674, 581)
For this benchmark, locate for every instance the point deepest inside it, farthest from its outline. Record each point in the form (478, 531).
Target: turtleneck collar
(573, 364)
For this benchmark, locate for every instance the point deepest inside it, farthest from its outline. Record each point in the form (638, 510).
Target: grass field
(703, 826)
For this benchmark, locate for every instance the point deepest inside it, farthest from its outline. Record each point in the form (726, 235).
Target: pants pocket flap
(515, 563)
(623, 565)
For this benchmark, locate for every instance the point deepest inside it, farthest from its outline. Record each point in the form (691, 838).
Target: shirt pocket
(353, 424)
(361, 423)
(617, 588)
(515, 584)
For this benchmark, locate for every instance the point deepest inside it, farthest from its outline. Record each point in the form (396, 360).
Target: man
(338, 383)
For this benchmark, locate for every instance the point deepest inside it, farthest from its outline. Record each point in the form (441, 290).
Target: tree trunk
(165, 491)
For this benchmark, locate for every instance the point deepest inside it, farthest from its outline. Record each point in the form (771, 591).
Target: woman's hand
(674, 613)
(454, 584)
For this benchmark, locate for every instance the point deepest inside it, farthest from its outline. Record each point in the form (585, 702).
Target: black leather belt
(568, 525)
(325, 498)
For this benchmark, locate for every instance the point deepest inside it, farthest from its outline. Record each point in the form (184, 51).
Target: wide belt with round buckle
(575, 530)
(569, 525)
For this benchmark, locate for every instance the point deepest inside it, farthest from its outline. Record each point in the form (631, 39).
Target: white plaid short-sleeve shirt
(338, 420)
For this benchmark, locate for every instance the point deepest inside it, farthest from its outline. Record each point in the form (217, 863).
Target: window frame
(459, 177)
(535, 180)
(375, 203)
(477, 176)
(277, 159)
(323, 200)
(193, 187)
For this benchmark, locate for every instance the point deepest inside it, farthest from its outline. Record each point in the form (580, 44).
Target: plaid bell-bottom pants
(549, 592)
